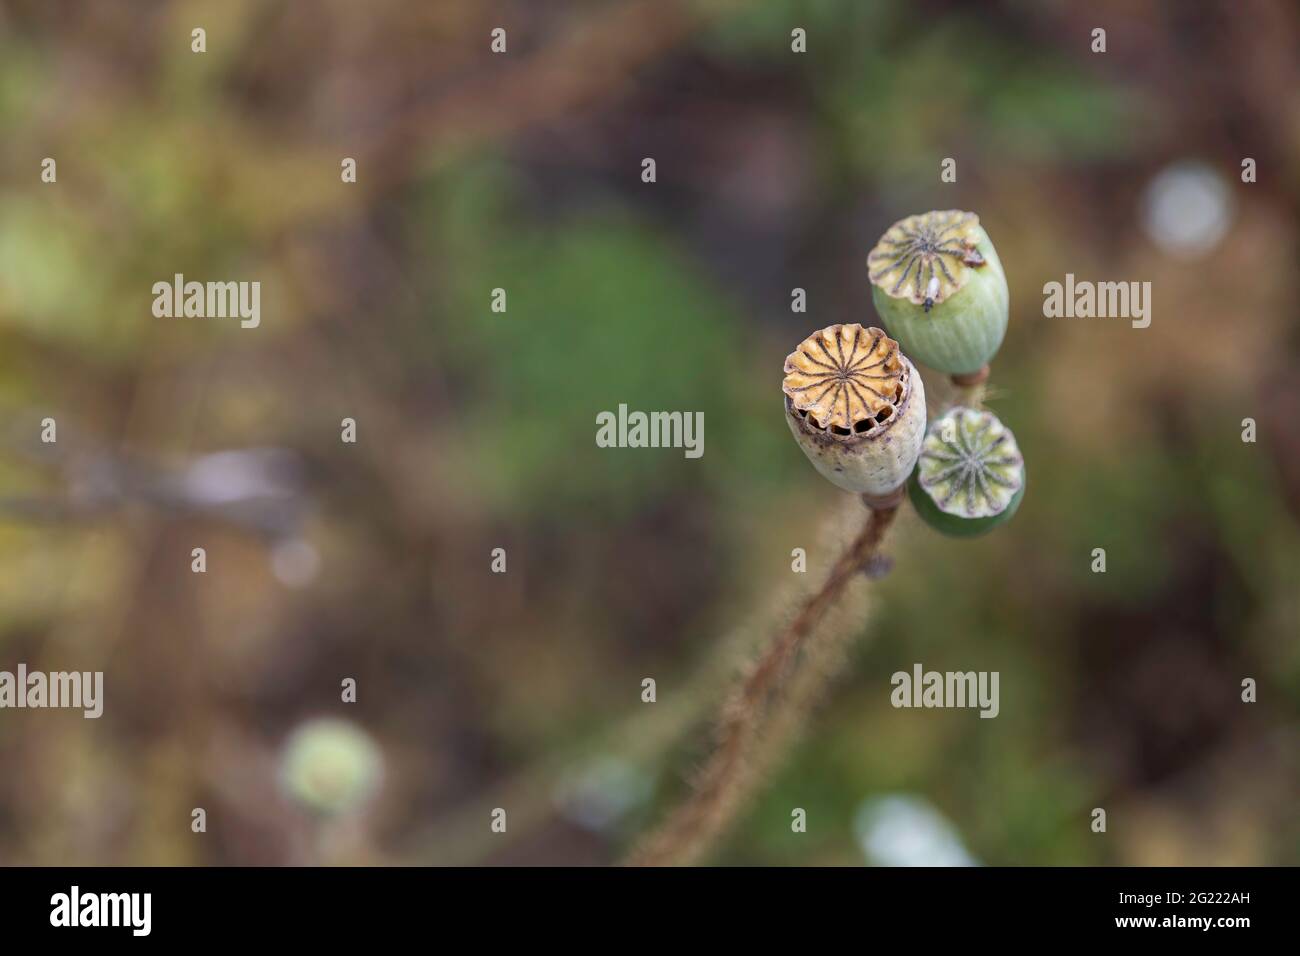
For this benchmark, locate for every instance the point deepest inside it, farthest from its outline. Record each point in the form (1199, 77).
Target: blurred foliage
(583, 296)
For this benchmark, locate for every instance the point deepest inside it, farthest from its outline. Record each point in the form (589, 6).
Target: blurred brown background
(476, 429)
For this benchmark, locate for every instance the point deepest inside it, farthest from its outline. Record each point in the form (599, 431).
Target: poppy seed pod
(970, 476)
(330, 766)
(940, 289)
(856, 406)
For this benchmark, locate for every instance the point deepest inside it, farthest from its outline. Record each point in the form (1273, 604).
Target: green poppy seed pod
(330, 766)
(937, 283)
(970, 476)
(856, 406)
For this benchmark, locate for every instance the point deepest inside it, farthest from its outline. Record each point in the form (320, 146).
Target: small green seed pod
(937, 283)
(330, 766)
(856, 406)
(970, 476)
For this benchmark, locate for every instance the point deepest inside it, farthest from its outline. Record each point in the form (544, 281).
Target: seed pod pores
(856, 406)
(938, 284)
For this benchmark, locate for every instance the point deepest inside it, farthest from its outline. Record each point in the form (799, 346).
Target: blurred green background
(521, 171)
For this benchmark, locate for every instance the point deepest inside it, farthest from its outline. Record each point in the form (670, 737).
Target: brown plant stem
(734, 768)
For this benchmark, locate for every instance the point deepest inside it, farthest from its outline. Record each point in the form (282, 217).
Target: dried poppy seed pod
(937, 283)
(970, 476)
(856, 406)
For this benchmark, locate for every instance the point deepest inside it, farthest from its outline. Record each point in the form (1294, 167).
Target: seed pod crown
(926, 258)
(970, 475)
(845, 379)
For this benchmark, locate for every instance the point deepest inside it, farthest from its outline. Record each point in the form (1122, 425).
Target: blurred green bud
(856, 406)
(970, 476)
(937, 283)
(330, 766)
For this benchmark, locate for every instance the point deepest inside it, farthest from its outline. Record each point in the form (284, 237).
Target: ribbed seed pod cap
(939, 287)
(856, 406)
(970, 476)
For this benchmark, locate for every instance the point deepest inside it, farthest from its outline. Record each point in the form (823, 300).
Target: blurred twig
(256, 489)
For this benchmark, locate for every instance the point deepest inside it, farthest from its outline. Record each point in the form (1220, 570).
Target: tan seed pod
(856, 406)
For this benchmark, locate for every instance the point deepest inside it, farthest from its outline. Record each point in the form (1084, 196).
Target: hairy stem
(755, 708)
